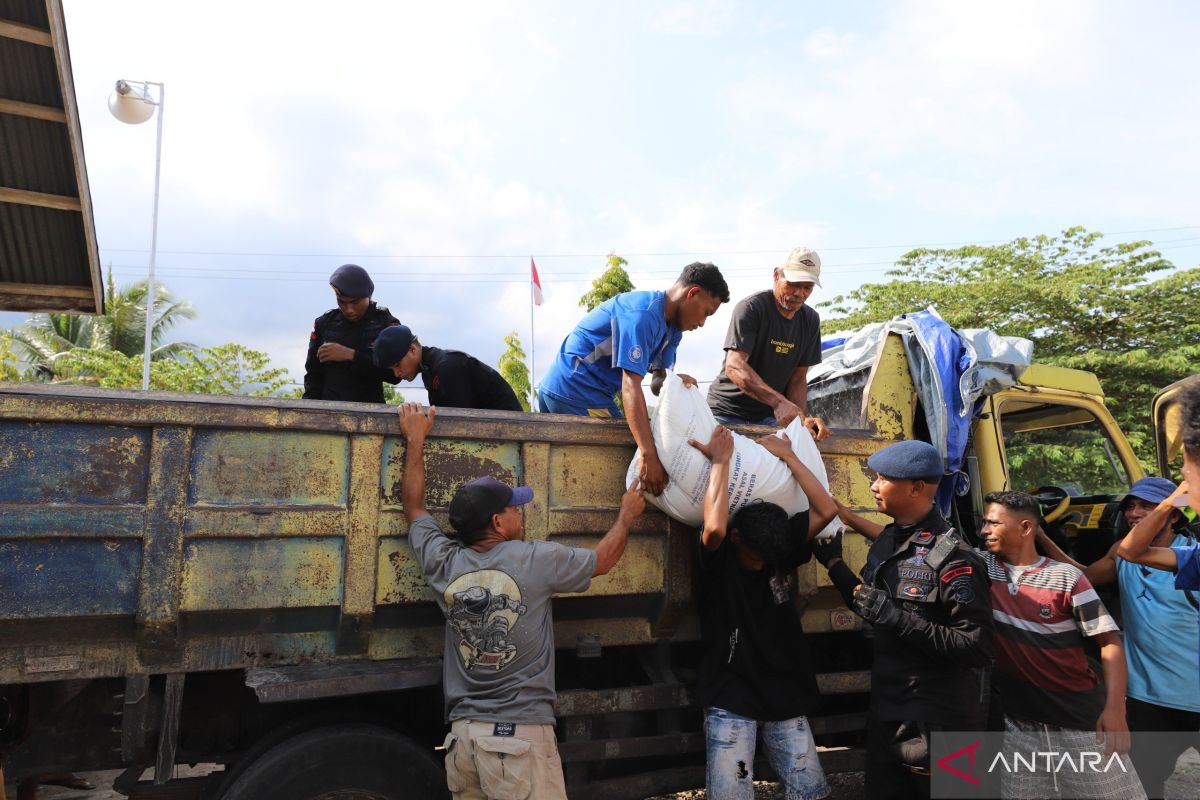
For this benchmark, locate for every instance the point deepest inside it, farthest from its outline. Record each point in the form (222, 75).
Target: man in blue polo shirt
(613, 348)
(1184, 561)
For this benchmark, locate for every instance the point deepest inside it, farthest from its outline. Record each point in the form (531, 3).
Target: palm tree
(46, 337)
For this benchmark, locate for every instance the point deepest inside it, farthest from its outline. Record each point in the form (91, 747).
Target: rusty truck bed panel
(170, 532)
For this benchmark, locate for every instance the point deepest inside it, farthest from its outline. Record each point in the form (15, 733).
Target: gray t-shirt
(776, 346)
(499, 659)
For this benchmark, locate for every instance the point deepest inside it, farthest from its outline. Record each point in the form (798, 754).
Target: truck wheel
(342, 762)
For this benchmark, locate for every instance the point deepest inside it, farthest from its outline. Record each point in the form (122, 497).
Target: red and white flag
(537, 284)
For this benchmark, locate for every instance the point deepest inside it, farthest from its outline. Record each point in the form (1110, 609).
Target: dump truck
(191, 579)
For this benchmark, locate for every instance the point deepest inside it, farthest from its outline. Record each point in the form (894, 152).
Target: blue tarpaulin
(951, 370)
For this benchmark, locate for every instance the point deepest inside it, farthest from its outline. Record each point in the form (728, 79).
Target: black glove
(876, 607)
(827, 549)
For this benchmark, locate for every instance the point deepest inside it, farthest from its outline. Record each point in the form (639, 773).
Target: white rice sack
(754, 474)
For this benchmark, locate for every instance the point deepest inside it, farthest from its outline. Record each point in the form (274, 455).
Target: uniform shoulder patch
(957, 572)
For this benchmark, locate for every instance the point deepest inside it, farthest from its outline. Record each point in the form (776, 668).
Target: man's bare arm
(1111, 727)
(654, 474)
(738, 370)
(1057, 553)
(1102, 571)
(716, 497)
(822, 506)
(610, 548)
(859, 523)
(1136, 547)
(415, 425)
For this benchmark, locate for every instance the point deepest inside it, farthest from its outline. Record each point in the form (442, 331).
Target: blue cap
(352, 281)
(1152, 490)
(391, 345)
(911, 460)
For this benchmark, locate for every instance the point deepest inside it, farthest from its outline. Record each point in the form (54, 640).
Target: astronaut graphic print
(483, 607)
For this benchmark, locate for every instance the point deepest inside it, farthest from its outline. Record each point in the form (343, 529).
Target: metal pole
(153, 242)
(533, 406)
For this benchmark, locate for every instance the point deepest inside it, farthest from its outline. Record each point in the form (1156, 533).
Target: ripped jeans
(790, 750)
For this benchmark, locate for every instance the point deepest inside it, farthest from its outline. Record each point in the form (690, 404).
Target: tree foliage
(611, 283)
(224, 369)
(512, 368)
(9, 368)
(44, 338)
(1084, 305)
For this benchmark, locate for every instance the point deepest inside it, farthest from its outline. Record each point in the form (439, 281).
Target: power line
(363, 256)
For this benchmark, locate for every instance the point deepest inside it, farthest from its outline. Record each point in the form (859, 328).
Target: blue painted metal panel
(69, 578)
(72, 463)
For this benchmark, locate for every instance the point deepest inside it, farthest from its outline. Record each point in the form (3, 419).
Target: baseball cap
(911, 460)
(352, 281)
(802, 265)
(1152, 490)
(391, 345)
(477, 501)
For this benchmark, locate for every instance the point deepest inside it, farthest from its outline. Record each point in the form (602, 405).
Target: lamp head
(130, 104)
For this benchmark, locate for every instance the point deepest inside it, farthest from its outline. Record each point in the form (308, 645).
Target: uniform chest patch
(913, 591)
(922, 574)
(924, 537)
(1045, 611)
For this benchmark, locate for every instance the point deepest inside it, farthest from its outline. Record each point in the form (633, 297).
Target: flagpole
(533, 405)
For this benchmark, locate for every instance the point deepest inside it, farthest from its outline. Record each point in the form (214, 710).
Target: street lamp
(132, 103)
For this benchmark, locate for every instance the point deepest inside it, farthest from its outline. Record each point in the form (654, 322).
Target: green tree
(611, 283)
(44, 338)
(513, 369)
(9, 368)
(1083, 305)
(224, 369)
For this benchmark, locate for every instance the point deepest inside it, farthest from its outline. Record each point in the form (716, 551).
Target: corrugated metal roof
(48, 256)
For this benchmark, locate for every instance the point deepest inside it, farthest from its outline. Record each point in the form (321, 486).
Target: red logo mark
(969, 751)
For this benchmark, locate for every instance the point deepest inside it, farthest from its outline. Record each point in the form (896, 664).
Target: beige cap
(802, 265)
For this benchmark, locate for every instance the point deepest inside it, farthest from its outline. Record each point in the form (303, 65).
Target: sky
(441, 145)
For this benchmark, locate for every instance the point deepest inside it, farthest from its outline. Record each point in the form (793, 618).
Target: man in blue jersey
(613, 348)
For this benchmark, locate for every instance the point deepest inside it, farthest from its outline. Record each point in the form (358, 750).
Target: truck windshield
(1057, 445)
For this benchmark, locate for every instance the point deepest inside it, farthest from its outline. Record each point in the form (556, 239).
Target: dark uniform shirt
(358, 380)
(929, 667)
(775, 346)
(457, 380)
(756, 662)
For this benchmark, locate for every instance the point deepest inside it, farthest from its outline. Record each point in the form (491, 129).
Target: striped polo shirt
(1042, 619)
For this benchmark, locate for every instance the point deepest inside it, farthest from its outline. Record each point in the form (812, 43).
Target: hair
(707, 277)
(468, 538)
(1189, 401)
(765, 528)
(1020, 502)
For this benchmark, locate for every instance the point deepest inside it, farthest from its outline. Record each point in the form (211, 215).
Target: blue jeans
(553, 404)
(790, 748)
(725, 419)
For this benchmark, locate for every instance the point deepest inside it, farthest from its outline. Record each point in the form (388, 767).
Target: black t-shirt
(776, 346)
(457, 380)
(756, 663)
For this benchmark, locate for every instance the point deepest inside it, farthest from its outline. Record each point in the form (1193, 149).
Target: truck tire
(341, 762)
